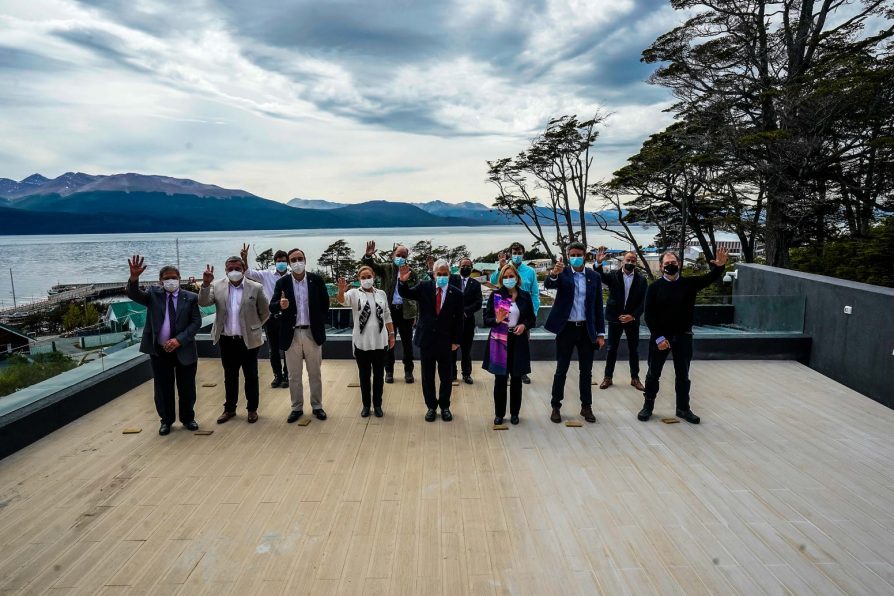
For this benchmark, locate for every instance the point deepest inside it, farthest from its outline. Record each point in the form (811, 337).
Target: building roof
(15, 331)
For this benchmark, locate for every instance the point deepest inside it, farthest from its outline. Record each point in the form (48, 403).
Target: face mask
(400, 261)
(628, 267)
(298, 267)
(509, 283)
(234, 276)
(171, 285)
(282, 267)
(465, 271)
(442, 281)
(366, 283)
(671, 269)
(576, 261)
(517, 259)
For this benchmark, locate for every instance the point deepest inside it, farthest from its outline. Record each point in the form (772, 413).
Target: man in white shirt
(268, 279)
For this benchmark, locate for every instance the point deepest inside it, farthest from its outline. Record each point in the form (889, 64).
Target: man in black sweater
(670, 305)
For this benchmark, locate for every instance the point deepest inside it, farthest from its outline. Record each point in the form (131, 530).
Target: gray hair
(168, 269)
(441, 263)
(671, 253)
(234, 259)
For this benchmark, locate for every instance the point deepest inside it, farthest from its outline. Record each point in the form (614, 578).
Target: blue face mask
(442, 281)
(400, 261)
(509, 283)
(517, 259)
(282, 267)
(576, 261)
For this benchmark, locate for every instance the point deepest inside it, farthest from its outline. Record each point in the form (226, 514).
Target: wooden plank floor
(786, 487)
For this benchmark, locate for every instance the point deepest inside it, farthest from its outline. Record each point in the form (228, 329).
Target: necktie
(438, 303)
(171, 314)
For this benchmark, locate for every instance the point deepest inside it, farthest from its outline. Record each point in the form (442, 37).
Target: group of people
(435, 315)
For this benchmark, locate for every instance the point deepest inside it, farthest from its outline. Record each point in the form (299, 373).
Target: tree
(338, 260)
(73, 317)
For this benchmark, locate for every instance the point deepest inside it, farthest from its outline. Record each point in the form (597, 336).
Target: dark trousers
(615, 330)
(515, 385)
(371, 363)
(234, 356)
(168, 371)
(465, 346)
(573, 336)
(277, 356)
(681, 350)
(404, 330)
(442, 359)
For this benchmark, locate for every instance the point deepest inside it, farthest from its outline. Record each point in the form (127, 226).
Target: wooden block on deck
(131, 430)
(203, 433)
(354, 384)
(500, 427)
(304, 421)
(209, 384)
(573, 423)
(670, 420)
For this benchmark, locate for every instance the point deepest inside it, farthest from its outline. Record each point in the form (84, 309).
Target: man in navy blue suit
(577, 320)
(439, 331)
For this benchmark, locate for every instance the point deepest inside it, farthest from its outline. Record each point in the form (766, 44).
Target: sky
(341, 100)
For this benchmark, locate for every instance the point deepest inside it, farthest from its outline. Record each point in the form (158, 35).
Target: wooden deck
(786, 487)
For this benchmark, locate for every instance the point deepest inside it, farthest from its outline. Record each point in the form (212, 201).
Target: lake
(39, 262)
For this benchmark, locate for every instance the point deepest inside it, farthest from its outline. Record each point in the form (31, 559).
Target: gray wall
(856, 350)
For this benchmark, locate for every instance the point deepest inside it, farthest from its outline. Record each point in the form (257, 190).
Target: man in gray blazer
(242, 310)
(172, 321)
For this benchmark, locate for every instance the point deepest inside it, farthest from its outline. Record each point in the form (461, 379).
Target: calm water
(39, 262)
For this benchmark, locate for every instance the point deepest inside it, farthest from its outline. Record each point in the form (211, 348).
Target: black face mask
(465, 271)
(628, 267)
(671, 269)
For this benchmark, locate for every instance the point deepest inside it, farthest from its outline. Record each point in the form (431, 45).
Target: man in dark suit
(626, 300)
(472, 301)
(172, 321)
(438, 333)
(577, 320)
(302, 301)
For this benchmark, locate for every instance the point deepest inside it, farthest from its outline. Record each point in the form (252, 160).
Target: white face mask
(234, 276)
(298, 267)
(171, 285)
(367, 283)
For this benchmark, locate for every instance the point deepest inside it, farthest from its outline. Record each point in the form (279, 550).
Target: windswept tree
(338, 260)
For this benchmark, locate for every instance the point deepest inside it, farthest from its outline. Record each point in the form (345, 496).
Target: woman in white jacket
(373, 335)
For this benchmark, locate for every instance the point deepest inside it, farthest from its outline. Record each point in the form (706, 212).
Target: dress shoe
(646, 412)
(389, 377)
(192, 425)
(408, 378)
(467, 379)
(320, 414)
(514, 419)
(446, 415)
(252, 417)
(498, 420)
(284, 383)
(364, 413)
(225, 416)
(164, 429)
(526, 379)
(294, 415)
(635, 383)
(587, 413)
(430, 415)
(606, 383)
(276, 381)
(378, 411)
(555, 416)
(688, 416)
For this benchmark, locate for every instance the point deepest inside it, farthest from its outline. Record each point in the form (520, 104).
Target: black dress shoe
(688, 416)
(446, 415)
(555, 416)
(513, 419)
(294, 415)
(587, 413)
(389, 377)
(526, 379)
(321, 414)
(284, 383)
(378, 411)
(467, 379)
(430, 415)
(364, 413)
(276, 381)
(192, 425)
(164, 429)
(498, 420)
(408, 378)
(646, 412)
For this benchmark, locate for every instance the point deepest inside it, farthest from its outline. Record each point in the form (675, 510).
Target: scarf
(365, 313)
(498, 342)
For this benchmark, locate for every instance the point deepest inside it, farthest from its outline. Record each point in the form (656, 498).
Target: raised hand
(136, 264)
(283, 301)
(404, 273)
(559, 268)
(244, 253)
(370, 248)
(721, 257)
(601, 254)
(207, 275)
(342, 285)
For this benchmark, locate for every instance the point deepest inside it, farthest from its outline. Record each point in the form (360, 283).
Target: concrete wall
(854, 349)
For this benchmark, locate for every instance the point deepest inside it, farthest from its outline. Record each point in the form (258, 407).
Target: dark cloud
(24, 60)
(103, 44)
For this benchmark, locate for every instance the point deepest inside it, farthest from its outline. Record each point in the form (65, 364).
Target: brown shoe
(606, 383)
(225, 416)
(252, 417)
(587, 413)
(555, 416)
(635, 382)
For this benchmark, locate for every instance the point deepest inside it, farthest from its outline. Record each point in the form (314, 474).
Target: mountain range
(120, 203)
